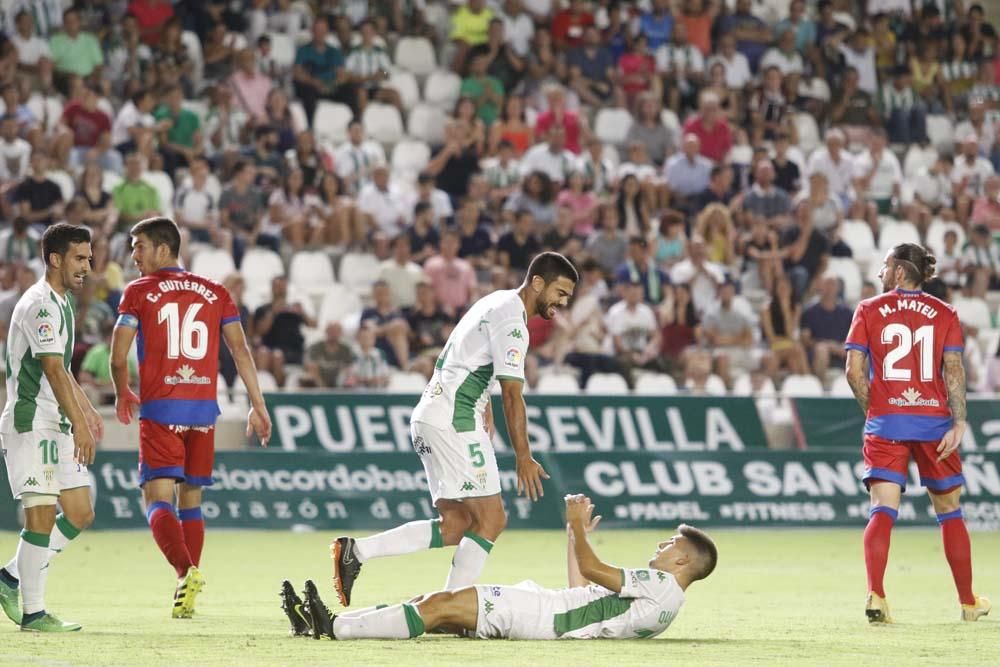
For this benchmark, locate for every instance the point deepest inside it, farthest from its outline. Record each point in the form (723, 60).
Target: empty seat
(606, 383)
(802, 386)
(973, 312)
(612, 125)
(918, 156)
(259, 267)
(669, 118)
(311, 272)
(859, 238)
(192, 47)
(213, 263)
(330, 122)
(65, 182)
(338, 305)
(891, 233)
(405, 382)
(415, 54)
(659, 384)
(743, 386)
(941, 133)
(110, 180)
(383, 123)
(714, 386)
(442, 89)
(358, 271)
(405, 83)
(847, 270)
(426, 123)
(282, 49)
(841, 388)
(558, 383)
(164, 186)
(808, 132)
(409, 158)
(935, 235)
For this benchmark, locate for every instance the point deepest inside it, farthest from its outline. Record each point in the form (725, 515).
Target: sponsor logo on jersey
(42, 313)
(437, 390)
(513, 358)
(46, 334)
(661, 576)
(642, 575)
(420, 446)
(488, 606)
(185, 375)
(911, 399)
(495, 591)
(516, 333)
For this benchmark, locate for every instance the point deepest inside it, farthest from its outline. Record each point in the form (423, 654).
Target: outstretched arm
(591, 568)
(857, 377)
(572, 566)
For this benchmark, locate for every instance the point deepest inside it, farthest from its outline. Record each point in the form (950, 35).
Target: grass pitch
(778, 597)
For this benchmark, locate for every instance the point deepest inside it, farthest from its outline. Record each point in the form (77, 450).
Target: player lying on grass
(602, 601)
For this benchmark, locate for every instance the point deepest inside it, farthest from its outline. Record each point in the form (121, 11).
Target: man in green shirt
(74, 51)
(134, 198)
(181, 141)
(95, 370)
(485, 90)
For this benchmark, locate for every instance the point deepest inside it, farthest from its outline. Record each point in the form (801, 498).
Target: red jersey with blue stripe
(179, 318)
(905, 335)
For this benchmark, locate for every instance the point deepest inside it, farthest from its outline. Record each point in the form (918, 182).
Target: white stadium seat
(426, 123)
(164, 186)
(807, 131)
(611, 126)
(311, 272)
(298, 112)
(606, 383)
(973, 312)
(847, 270)
(383, 123)
(259, 267)
(404, 382)
(110, 180)
(918, 156)
(338, 305)
(192, 47)
(941, 133)
(558, 383)
(405, 83)
(714, 386)
(358, 272)
(859, 238)
(330, 122)
(213, 263)
(802, 386)
(409, 158)
(442, 89)
(935, 235)
(282, 49)
(415, 54)
(65, 182)
(743, 386)
(656, 384)
(669, 118)
(840, 388)
(892, 233)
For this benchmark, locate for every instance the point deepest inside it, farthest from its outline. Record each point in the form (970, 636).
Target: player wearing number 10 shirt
(176, 318)
(904, 364)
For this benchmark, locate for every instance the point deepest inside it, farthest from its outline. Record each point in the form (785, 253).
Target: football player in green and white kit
(451, 429)
(601, 602)
(48, 428)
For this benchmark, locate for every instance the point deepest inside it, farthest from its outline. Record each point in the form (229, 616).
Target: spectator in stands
(327, 361)
(878, 176)
(697, 17)
(453, 278)
(392, 333)
(31, 48)
(701, 276)
(196, 209)
(681, 67)
(485, 91)
(74, 51)
(369, 67)
(633, 331)
(579, 336)
(306, 156)
(88, 133)
(657, 24)
(241, 209)
(182, 141)
(356, 158)
(381, 208)
(502, 60)
(551, 157)
(780, 326)
(981, 262)
(19, 243)
(369, 370)
(639, 267)
(423, 233)
(824, 327)
(787, 175)
(720, 186)
(736, 71)
(134, 198)
(217, 52)
(99, 211)
(598, 169)
(37, 198)
(986, 209)
(836, 164)
(855, 109)
(805, 250)
(265, 155)
(560, 237)
(648, 129)
(728, 332)
(536, 195)
(784, 55)
(454, 163)
(278, 325)
(637, 71)
(765, 200)
(401, 273)
(477, 243)
(769, 110)
(687, 173)
(752, 35)
(569, 25)
(15, 153)
(430, 327)
(714, 224)
(518, 26)
(592, 72)
(632, 207)
(319, 72)
(135, 128)
(250, 86)
(669, 243)
(711, 128)
(95, 369)
(512, 128)
(470, 25)
(904, 113)
(343, 225)
(607, 244)
(574, 127)
(152, 16)
(517, 247)
(290, 215)
(581, 202)
(969, 173)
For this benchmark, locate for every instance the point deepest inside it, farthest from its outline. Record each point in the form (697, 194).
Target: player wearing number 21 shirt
(904, 364)
(176, 318)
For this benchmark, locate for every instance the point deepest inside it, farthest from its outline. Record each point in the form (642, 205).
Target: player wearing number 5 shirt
(176, 318)
(904, 364)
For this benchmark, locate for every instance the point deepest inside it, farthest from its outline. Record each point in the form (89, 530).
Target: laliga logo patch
(513, 358)
(46, 334)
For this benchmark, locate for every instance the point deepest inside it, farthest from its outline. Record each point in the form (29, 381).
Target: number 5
(478, 460)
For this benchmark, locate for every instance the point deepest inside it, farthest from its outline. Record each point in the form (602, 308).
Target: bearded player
(451, 428)
(904, 364)
(177, 317)
(601, 602)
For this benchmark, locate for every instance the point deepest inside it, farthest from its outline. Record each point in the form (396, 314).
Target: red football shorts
(889, 460)
(184, 453)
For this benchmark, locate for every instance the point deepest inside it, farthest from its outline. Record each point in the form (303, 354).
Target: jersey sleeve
(953, 339)
(643, 583)
(509, 343)
(230, 313)
(41, 328)
(128, 308)
(857, 336)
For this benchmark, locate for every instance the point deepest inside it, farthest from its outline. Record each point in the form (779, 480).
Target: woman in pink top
(249, 86)
(581, 202)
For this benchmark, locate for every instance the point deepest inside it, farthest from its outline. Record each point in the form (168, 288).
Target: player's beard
(887, 282)
(542, 308)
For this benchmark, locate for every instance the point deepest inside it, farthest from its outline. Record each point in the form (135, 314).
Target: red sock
(958, 551)
(877, 534)
(169, 536)
(194, 531)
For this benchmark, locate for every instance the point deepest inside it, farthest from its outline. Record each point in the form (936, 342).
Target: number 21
(924, 337)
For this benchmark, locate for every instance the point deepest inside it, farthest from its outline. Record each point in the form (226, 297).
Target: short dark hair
(160, 231)
(703, 544)
(60, 236)
(917, 261)
(552, 266)
(420, 207)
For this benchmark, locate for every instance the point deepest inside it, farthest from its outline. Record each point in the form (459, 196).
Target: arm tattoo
(954, 378)
(857, 378)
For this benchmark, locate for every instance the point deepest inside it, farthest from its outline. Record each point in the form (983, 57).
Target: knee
(491, 524)
(81, 518)
(453, 526)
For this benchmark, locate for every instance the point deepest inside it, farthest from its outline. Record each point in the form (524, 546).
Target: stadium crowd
(726, 177)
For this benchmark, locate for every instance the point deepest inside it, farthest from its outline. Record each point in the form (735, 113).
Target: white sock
(354, 613)
(470, 558)
(62, 534)
(401, 621)
(32, 556)
(405, 539)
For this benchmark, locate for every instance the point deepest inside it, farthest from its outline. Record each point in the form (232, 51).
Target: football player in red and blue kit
(176, 318)
(904, 364)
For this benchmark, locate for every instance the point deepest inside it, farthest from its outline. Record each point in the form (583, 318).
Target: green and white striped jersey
(489, 342)
(367, 61)
(42, 325)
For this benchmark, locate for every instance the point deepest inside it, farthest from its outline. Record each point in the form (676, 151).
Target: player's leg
(192, 521)
(885, 475)
(405, 621)
(199, 460)
(161, 466)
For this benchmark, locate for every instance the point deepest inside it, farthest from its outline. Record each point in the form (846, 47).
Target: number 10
(189, 338)
(924, 337)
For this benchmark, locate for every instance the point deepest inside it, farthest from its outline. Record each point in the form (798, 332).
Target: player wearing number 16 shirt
(904, 364)
(176, 318)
